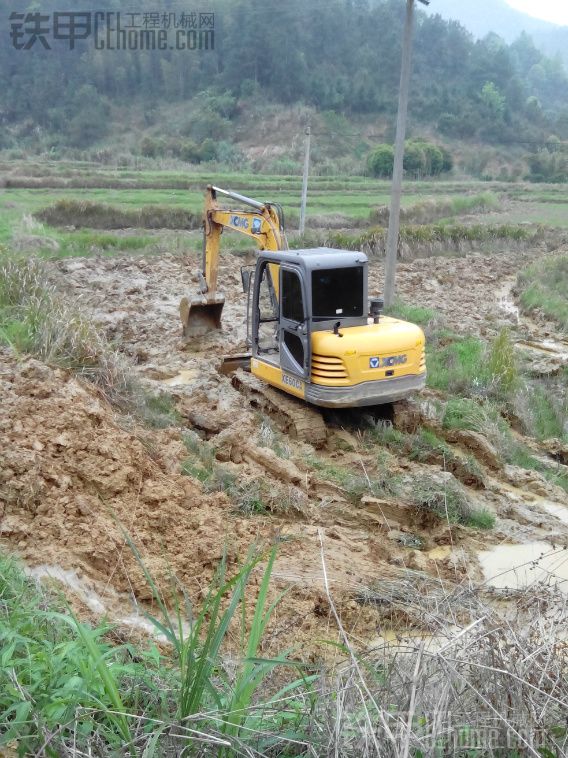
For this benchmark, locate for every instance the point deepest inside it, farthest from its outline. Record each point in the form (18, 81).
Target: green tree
(493, 101)
(414, 157)
(380, 161)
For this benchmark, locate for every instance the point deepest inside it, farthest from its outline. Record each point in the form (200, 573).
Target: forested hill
(485, 16)
(339, 55)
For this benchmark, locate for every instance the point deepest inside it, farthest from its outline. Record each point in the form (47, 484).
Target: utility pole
(305, 181)
(396, 191)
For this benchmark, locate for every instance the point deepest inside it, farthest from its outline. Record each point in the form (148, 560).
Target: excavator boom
(201, 312)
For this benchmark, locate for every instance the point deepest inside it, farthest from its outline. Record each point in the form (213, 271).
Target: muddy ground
(76, 475)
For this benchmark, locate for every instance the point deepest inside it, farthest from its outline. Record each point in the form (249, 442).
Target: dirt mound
(72, 478)
(69, 475)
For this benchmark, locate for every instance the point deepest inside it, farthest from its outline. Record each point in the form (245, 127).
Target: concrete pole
(396, 191)
(305, 182)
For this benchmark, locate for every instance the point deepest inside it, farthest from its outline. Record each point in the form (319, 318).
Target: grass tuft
(416, 314)
(35, 319)
(544, 287)
(449, 501)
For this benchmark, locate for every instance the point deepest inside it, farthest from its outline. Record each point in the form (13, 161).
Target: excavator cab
(321, 339)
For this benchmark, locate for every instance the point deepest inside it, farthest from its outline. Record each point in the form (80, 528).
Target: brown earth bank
(73, 481)
(75, 475)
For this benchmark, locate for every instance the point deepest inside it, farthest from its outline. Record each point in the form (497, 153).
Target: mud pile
(73, 481)
(71, 477)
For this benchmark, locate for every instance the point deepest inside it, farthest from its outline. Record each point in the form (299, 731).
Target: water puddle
(519, 566)
(186, 376)
(231, 363)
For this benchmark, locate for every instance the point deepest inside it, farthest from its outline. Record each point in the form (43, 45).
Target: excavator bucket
(200, 314)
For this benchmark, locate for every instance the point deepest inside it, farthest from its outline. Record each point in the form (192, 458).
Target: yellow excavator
(311, 328)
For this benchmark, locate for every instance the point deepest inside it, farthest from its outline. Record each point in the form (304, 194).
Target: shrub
(420, 157)
(149, 147)
(414, 158)
(380, 161)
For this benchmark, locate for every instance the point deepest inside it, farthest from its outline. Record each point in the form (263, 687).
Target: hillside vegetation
(338, 58)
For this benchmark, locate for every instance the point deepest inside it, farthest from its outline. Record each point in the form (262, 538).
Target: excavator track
(292, 416)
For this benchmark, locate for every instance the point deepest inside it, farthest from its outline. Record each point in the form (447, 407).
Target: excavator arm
(201, 312)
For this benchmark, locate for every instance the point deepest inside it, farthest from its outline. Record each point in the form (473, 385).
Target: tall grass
(434, 209)
(102, 216)
(63, 687)
(34, 319)
(66, 690)
(61, 682)
(544, 287)
(427, 239)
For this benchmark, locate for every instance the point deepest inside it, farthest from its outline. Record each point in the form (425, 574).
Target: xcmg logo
(391, 360)
(239, 222)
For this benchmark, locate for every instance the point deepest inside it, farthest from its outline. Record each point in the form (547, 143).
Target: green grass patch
(461, 413)
(64, 686)
(544, 287)
(416, 314)
(379, 483)
(85, 242)
(481, 519)
(425, 446)
(449, 501)
(458, 365)
(519, 455)
(249, 498)
(61, 677)
(435, 208)
(486, 418)
(36, 320)
(543, 408)
(158, 410)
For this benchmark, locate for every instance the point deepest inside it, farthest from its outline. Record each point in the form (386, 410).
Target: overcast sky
(550, 10)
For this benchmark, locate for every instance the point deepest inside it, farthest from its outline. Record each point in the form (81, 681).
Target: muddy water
(519, 566)
(553, 352)
(186, 376)
(111, 606)
(71, 581)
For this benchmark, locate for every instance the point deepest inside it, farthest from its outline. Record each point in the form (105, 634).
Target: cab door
(295, 349)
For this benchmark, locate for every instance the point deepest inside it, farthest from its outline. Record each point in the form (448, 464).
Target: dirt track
(71, 469)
